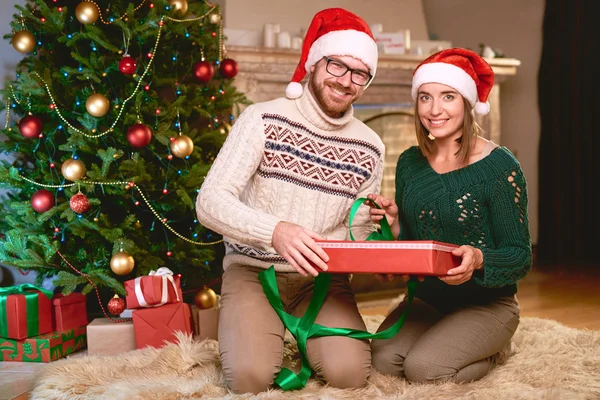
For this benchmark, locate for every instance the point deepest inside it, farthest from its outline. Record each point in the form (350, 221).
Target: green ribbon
(386, 231)
(304, 328)
(31, 307)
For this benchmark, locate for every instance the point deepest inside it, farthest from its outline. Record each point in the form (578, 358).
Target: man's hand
(472, 259)
(297, 245)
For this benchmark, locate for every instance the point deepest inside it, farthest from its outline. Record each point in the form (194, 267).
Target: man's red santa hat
(334, 32)
(461, 69)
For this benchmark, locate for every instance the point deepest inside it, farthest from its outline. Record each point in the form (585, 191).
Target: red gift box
(43, 348)
(153, 290)
(155, 326)
(410, 257)
(69, 311)
(20, 323)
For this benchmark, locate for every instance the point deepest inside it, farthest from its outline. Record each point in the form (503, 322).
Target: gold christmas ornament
(73, 170)
(205, 298)
(23, 41)
(86, 12)
(214, 18)
(181, 6)
(182, 146)
(122, 263)
(97, 105)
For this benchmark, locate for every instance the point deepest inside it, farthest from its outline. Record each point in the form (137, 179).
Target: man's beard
(330, 106)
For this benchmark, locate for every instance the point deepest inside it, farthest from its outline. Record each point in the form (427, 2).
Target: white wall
(293, 16)
(515, 26)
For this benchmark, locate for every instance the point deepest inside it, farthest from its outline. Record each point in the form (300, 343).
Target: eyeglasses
(338, 68)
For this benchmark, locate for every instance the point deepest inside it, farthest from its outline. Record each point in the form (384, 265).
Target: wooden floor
(570, 295)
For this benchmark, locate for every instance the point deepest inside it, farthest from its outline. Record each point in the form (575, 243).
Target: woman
(460, 188)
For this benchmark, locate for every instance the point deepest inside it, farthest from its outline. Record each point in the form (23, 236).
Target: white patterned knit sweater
(285, 160)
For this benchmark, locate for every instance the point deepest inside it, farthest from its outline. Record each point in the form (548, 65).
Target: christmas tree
(116, 114)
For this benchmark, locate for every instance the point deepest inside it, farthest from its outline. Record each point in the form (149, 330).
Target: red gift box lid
(412, 257)
(61, 300)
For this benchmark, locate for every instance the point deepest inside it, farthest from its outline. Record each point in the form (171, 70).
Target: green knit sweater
(483, 205)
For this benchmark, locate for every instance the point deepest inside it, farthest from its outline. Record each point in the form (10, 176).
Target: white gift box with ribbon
(154, 290)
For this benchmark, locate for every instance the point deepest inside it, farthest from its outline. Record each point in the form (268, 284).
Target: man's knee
(247, 377)
(347, 369)
(347, 375)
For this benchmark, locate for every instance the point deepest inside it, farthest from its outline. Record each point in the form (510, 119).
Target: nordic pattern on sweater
(483, 205)
(333, 165)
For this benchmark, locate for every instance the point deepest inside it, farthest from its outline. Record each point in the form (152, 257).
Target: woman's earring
(430, 136)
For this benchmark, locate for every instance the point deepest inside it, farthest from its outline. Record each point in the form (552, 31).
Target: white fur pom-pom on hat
(464, 70)
(334, 32)
(293, 90)
(482, 108)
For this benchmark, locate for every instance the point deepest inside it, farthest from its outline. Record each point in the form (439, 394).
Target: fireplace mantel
(265, 72)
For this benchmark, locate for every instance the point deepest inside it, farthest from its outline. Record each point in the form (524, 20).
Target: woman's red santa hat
(461, 69)
(334, 32)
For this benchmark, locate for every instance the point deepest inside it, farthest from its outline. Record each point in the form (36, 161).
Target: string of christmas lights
(129, 185)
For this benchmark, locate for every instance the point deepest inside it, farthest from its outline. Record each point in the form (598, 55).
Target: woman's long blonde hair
(470, 128)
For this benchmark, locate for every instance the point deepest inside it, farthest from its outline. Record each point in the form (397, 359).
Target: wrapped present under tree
(25, 311)
(43, 348)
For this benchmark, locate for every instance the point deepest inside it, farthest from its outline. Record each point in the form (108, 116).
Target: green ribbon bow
(304, 328)
(31, 306)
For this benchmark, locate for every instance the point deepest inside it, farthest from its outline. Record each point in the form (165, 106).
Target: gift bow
(305, 327)
(31, 293)
(167, 276)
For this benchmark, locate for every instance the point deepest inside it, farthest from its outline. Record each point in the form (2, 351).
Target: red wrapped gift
(155, 326)
(158, 288)
(69, 311)
(411, 257)
(25, 311)
(43, 348)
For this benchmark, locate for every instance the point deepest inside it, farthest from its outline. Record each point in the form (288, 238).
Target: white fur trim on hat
(446, 74)
(293, 90)
(344, 43)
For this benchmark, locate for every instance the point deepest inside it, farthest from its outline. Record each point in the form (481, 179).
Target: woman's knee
(426, 368)
(384, 360)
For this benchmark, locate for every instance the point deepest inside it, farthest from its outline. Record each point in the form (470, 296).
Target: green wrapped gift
(43, 348)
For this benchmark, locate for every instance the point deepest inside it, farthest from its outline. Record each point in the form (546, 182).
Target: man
(287, 175)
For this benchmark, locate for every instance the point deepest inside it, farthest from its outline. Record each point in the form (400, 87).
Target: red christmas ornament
(204, 71)
(42, 201)
(30, 126)
(228, 68)
(79, 203)
(139, 135)
(127, 65)
(116, 305)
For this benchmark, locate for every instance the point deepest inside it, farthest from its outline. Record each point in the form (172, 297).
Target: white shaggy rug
(552, 362)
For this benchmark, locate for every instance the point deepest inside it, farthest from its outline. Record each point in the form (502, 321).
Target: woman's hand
(472, 259)
(388, 209)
